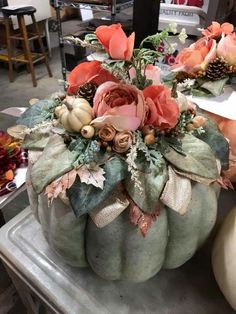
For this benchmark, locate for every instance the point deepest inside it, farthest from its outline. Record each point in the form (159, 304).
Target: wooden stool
(28, 57)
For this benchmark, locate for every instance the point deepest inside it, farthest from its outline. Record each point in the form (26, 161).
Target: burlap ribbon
(177, 192)
(110, 209)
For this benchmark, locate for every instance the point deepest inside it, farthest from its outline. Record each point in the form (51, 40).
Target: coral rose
(196, 57)
(119, 105)
(151, 72)
(88, 72)
(115, 42)
(163, 110)
(215, 30)
(122, 141)
(227, 48)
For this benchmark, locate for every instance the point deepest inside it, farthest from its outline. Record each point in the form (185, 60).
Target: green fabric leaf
(216, 140)
(215, 87)
(37, 140)
(41, 111)
(152, 183)
(199, 158)
(84, 198)
(233, 80)
(55, 161)
(201, 93)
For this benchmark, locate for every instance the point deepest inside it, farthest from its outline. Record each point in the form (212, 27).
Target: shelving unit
(112, 6)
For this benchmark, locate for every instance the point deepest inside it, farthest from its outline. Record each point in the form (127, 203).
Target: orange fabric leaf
(60, 184)
(143, 220)
(225, 183)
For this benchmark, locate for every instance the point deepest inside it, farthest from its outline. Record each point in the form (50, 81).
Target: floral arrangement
(120, 136)
(11, 157)
(208, 64)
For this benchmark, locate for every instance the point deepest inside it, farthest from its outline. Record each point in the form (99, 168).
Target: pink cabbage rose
(216, 30)
(163, 110)
(227, 48)
(115, 42)
(151, 72)
(119, 105)
(88, 72)
(196, 57)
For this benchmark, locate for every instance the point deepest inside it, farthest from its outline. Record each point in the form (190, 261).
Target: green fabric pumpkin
(118, 251)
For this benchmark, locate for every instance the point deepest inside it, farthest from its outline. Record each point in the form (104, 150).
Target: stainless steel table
(43, 279)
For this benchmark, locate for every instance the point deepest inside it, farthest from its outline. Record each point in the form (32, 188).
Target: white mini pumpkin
(74, 113)
(224, 258)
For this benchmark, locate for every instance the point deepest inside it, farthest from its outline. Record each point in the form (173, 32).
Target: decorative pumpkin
(74, 113)
(228, 128)
(118, 251)
(224, 258)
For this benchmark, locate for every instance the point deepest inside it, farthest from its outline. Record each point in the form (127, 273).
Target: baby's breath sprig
(132, 167)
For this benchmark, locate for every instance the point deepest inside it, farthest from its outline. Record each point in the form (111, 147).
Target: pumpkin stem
(69, 106)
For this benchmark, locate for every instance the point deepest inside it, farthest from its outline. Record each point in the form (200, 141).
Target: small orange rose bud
(148, 129)
(149, 139)
(190, 127)
(198, 121)
(107, 133)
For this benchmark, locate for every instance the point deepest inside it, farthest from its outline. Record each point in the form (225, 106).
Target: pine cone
(217, 69)
(87, 91)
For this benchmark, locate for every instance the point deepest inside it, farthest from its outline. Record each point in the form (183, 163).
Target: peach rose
(227, 48)
(122, 141)
(88, 72)
(107, 133)
(163, 110)
(196, 57)
(215, 30)
(151, 72)
(115, 42)
(119, 105)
